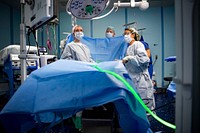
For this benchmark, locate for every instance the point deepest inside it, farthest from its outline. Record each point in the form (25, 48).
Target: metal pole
(73, 19)
(23, 43)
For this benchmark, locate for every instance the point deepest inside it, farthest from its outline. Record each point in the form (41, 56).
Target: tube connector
(119, 4)
(132, 3)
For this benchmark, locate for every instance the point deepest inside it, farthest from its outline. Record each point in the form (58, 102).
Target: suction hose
(136, 96)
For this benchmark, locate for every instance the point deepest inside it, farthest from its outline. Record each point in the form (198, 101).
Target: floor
(165, 109)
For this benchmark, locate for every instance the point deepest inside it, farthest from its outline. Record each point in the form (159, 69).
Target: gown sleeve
(137, 57)
(67, 53)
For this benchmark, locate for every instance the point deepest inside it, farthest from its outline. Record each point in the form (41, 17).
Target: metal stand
(73, 19)
(23, 44)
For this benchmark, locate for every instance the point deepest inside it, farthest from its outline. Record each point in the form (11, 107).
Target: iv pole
(22, 55)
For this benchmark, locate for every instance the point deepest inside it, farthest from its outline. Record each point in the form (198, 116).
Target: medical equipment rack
(11, 66)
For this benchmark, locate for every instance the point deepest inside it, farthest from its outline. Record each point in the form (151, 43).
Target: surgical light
(86, 9)
(91, 9)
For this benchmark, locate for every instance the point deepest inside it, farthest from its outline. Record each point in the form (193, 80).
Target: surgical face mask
(127, 38)
(79, 35)
(108, 34)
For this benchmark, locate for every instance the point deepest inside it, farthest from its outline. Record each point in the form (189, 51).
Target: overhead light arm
(143, 4)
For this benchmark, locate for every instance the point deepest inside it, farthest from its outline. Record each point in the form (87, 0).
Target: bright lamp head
(144, 5)
(86, 9)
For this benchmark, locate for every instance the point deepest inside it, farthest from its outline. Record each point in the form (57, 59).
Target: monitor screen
(40, 12)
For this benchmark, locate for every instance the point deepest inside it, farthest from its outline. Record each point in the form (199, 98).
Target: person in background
(147, 48)
(76, 50)
(136, 62)
(110, 32)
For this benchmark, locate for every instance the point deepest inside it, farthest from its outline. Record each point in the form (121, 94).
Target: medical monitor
(40, 12)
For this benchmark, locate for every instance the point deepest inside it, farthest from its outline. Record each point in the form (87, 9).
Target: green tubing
(136, 96)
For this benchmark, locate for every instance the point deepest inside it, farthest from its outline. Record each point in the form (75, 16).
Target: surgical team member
(76, 50)
(147, 48)
(110, 32)
(136, 62)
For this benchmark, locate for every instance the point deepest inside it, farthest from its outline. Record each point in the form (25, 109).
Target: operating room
(164, 25)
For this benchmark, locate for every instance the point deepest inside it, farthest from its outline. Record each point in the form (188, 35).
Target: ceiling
(62, 3)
